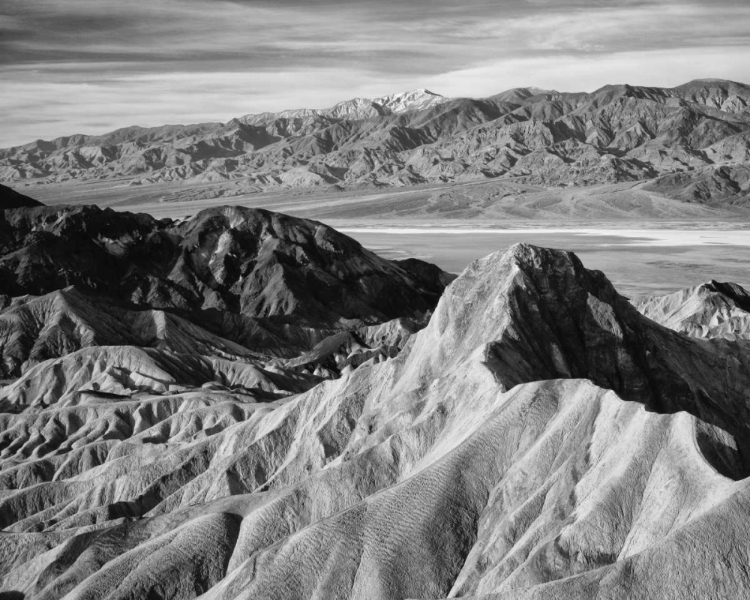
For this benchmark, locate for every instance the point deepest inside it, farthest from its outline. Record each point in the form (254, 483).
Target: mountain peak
(358, 108)
(416, 93)
(413, 100)
(709, 310)
(709, 83)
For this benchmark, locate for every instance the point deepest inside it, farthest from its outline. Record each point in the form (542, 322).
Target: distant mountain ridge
(690, 142)
(709, 310)
(357, 108)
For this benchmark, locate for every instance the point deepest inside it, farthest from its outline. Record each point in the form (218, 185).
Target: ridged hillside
(691, 142)
(539, 439)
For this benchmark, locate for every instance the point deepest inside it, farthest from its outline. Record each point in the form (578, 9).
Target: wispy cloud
(92, 65)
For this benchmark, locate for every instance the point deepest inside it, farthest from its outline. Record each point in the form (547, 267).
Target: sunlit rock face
(539, 438)
(710, 310)
(691, 142)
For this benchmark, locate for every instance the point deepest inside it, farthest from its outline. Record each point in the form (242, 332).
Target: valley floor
(645, 242)
(639, 263)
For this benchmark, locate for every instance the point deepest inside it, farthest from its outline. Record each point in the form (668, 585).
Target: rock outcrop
(710, 310)
(247, 261)
(249, 288)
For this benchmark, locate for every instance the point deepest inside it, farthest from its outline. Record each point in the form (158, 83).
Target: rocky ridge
(538, 439)
(9, 198)
(710, 310)
(690, 142)
(232, 259)
(246, 300)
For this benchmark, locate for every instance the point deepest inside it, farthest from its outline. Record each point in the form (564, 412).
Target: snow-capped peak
(413, 100)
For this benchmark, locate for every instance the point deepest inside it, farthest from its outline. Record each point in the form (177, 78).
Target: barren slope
(247, 261)
(250, 300)
(710, 310)
(538, 439)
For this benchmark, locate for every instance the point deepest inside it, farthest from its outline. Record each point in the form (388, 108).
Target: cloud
(568, 72)
(46, 110)
(93, 65)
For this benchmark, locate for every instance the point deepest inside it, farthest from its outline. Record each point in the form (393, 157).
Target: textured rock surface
(710, 310)
(691, 142)
(540, 438)
(248, 261)
(248, 299)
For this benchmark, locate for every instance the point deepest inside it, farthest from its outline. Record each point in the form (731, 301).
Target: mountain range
(690, 142)
(248, 405)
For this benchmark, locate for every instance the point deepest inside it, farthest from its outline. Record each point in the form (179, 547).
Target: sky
(91, 66)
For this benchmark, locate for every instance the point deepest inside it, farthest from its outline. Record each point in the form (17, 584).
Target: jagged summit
(407, 101)
(709, 310)
(542, 315)
(358, 108)
(538, 90)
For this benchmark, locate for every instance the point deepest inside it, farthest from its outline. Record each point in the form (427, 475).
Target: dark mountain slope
(10, 198)
(247, 261)
(230, 284)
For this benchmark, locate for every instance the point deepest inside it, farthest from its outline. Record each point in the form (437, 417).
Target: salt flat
(635, 237)
(639, 262)
(645, 242)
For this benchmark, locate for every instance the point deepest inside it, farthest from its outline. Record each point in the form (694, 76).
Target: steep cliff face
(691, 142)
(540, 438)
